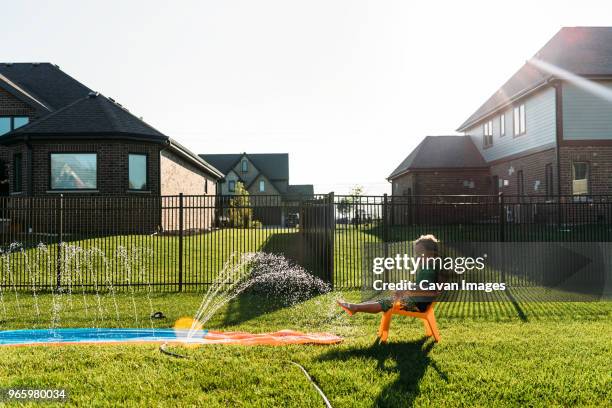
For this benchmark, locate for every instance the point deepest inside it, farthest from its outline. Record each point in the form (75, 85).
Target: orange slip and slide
(278, 338)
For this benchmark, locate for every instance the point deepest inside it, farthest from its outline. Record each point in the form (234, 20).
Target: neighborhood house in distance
(265, 175)
(539, 134)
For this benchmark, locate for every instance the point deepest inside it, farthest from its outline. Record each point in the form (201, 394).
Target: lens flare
(581, 82)
(187, 323)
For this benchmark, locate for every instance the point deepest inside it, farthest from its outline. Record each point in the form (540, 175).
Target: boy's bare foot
(345, 306)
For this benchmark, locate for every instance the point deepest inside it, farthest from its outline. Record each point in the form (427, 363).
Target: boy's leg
(365, 307)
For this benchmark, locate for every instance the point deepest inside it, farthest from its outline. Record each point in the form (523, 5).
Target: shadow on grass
(249, 306)
(408, 359)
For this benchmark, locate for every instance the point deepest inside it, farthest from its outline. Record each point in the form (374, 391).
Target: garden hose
(164, 350)
(167, 352)
(314, 384)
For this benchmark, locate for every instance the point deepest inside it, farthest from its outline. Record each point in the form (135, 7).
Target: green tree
(240, 211)
(344, 205)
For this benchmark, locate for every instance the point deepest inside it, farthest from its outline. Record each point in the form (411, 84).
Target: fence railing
(181, 242)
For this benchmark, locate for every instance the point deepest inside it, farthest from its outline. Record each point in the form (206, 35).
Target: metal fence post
(180, 244)
(332, 232)
(385, 217)
(502, 218)
(60, 240)
(502, 234)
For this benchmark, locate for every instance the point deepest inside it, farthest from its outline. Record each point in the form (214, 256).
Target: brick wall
(403, 185)
(180, 176)
(11, 106)
(444, 182)
(452, 182)
(534, 173)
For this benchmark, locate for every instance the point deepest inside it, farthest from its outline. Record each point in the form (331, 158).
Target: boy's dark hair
(429, 242)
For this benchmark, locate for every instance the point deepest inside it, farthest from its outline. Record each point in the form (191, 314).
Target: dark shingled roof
(441, 152)
(91, 115)
(584, 51)
(275, 166)
(72, 110)
(45, 82)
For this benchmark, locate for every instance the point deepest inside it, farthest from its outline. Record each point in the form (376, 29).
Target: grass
(552, 354)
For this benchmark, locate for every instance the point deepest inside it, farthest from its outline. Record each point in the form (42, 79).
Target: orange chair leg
(431, 319)
(385, 322)
(428, 331)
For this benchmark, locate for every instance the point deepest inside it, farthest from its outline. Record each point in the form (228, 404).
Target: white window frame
(502, 124)
(487, 134)
(262, 186)
(582, 185)
(244, 166)
(519, 120)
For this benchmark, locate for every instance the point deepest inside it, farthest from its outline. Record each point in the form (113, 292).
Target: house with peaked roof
(546, 131)
(442, 165)
(266, 178)
(59, 136)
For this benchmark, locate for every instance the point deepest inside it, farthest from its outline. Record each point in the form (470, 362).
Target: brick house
(547, 130)
(266, 178)
(57, 136)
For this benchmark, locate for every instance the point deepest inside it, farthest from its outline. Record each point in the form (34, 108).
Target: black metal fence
(181, 242)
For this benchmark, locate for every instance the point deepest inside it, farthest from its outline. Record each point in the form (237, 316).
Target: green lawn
(491, 354)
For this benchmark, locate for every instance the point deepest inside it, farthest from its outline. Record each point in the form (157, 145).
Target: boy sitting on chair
(411, 301)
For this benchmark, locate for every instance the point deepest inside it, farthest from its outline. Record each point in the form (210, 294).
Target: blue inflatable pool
(96, 335)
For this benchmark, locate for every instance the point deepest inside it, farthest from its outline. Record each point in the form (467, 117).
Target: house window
(245, 166)
(495, 182)
(519, 181)
(580, 178)
(9, 123)
(74, 171)
(520, 125)
(231, 186)
(262, 186)
(548, 173)
(17, 173)
(19, 121)
(137, 171)
(502, 125)
(487, 139)
(205, 186)
(5, 125)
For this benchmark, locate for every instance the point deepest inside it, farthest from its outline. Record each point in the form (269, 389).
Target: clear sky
(347, 88)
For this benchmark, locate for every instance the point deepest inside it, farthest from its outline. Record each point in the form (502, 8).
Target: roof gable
(275, 166)
(441, 152)
(584, 51)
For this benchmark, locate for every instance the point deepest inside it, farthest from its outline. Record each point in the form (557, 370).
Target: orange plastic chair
(428, 317)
